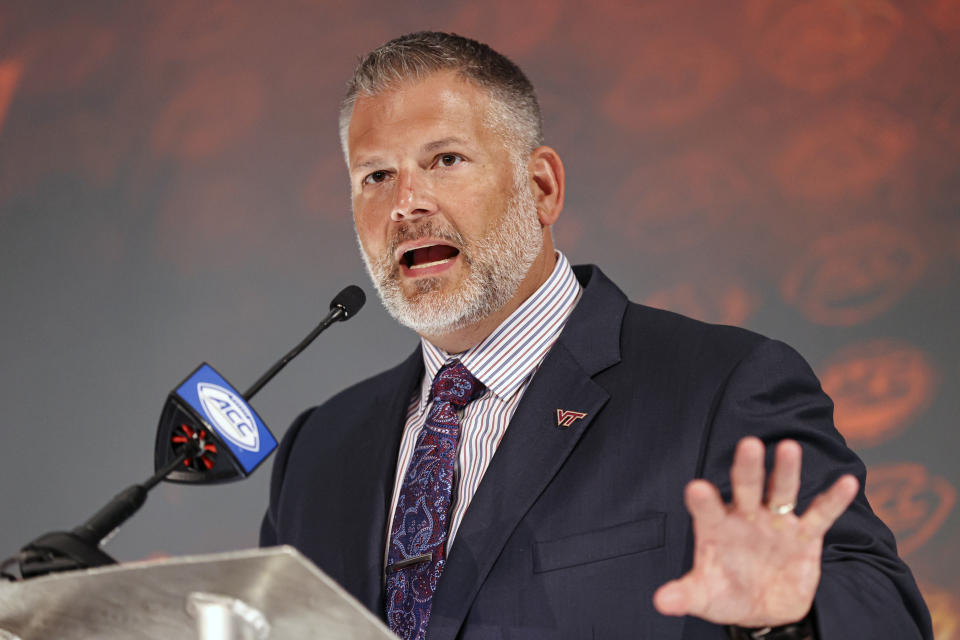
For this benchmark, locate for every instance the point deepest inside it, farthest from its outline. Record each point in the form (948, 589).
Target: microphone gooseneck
(343, 307)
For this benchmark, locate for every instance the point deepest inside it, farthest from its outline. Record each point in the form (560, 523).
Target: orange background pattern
(171, 189)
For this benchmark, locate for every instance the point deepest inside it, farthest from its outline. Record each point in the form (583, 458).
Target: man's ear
(547, 183)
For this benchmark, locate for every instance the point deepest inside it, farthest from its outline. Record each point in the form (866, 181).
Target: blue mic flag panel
(225, 412)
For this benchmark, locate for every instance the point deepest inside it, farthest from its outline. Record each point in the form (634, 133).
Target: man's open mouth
(423, 257)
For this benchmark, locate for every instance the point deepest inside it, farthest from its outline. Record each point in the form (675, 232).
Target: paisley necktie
(418, 538)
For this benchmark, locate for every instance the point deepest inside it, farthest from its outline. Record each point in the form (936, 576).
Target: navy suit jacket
(573, 528)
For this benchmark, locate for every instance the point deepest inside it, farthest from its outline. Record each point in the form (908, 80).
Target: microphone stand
(80, 548)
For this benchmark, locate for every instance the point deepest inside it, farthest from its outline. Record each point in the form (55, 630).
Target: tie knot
(456, 385)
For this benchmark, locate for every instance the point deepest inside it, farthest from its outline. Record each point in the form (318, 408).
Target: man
(526, 473)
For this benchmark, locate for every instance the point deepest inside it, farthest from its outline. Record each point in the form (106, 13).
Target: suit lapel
(533, 448)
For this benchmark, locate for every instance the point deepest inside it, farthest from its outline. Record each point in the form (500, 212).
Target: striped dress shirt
(504, 362)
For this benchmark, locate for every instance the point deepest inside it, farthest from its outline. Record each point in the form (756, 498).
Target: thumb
(674, 598)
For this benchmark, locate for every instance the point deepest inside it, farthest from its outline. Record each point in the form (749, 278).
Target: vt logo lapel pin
(566, 418)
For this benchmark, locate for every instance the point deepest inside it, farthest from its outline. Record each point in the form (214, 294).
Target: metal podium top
(148, 600)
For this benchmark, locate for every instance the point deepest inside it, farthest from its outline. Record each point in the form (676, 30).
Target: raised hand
(755, 562)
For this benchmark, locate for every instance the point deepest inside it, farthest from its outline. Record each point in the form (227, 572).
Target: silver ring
(783, 509)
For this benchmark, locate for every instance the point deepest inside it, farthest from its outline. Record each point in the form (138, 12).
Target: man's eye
(375, 177)
(448, 159)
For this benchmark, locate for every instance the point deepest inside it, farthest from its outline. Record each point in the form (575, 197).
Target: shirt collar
(515, 349)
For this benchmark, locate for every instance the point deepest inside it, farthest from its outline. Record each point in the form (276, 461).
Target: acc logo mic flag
(229, 414)
(205, 405)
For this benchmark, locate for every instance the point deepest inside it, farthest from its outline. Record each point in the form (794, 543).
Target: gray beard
(495, 266)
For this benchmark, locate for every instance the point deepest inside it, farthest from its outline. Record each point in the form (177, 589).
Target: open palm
(755, 563)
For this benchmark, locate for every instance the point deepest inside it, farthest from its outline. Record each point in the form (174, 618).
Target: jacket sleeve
(269, 534)
(866, 590)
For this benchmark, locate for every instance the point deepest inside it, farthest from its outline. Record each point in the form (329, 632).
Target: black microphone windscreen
(351, 300)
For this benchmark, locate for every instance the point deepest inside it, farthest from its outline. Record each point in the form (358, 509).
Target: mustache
(429, 229)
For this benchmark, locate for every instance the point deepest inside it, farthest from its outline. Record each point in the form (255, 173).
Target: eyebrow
(369, 162)
(443, 142)
(430, 146)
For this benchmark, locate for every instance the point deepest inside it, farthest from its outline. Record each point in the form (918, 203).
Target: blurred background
(172, 191)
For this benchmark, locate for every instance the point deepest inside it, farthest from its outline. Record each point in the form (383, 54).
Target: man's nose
(412, 199)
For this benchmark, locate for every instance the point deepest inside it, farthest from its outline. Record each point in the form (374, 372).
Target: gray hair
(415, 56)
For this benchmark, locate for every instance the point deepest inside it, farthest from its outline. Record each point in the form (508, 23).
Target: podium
(262, 594)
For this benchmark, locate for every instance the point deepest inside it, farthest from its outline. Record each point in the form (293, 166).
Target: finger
(704, 503)
(747, 474)
(830, 505)
(784, 483)
(678, 598)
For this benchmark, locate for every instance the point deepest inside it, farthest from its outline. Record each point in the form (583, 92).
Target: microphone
(207, 433)
(349, 301)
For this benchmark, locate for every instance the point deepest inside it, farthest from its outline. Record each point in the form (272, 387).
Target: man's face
(446, 222)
